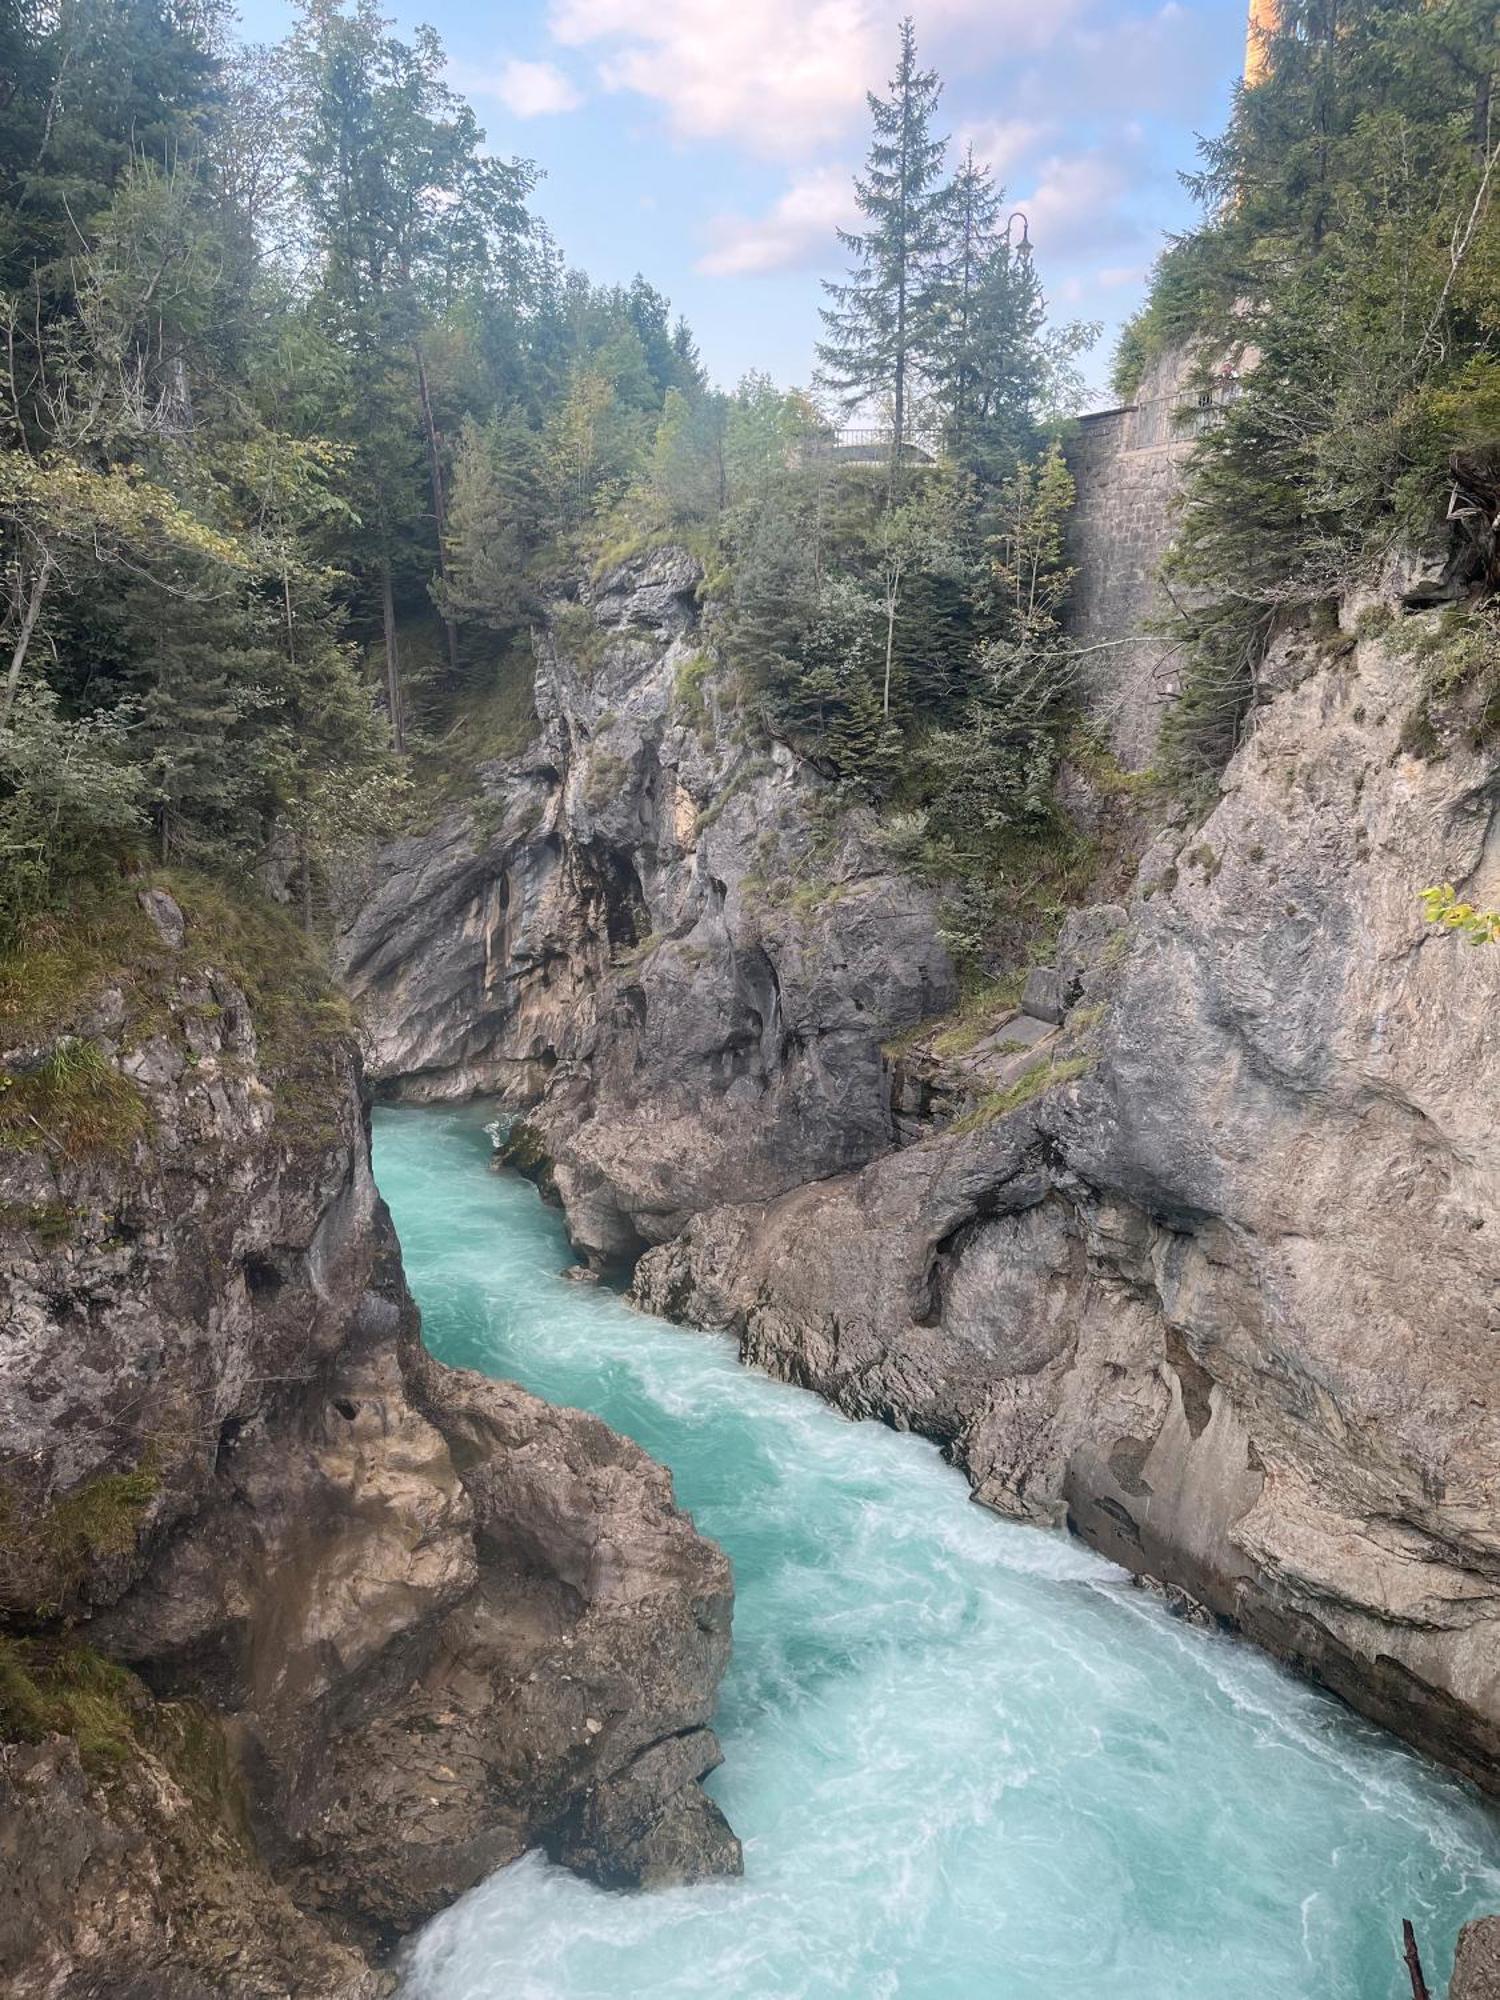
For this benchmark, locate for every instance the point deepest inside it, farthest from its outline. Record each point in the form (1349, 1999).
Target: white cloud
(795, 234)
(783, 77)
(999, 143)
(528, 89)
(1077, 204)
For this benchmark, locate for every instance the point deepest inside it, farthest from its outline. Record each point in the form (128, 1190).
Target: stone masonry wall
(1127, 465)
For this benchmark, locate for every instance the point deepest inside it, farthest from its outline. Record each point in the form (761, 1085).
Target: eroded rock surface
(1476, 1967)
(1223, 1295)
(664, 950)
(1227, 1300)
(424, 1622)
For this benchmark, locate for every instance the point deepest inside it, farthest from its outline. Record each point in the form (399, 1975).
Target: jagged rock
(1042, 995)
(166, 915)
(1476, 1966)
(650, 1826)
(1226, 1300)
(429, 1621)
(1088, 938)
(135, 1882)
(651, 954)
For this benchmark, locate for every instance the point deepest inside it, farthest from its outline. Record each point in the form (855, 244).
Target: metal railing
(863, 444)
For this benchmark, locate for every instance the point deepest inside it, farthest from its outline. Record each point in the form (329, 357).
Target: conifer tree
(880, 323)
(990, 369)
(491, 524)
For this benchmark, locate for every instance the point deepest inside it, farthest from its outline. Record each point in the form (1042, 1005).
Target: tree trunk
(439, 499)
(29, 617)
(304, 869)
(1413, 1961)
(891, 597)
(392, 657)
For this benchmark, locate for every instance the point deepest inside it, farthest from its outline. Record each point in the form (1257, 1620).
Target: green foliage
(1443, 906)
(71, 792)
(996, 769)
(1030, 1085)
(75, 1102)
(286, 360)
(49, 1687)
(1347, 282)
(878, 324)
(101, 1518)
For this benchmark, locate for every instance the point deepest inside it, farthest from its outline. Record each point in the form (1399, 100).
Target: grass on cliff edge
(53, 977)
(1022, 1091)
(76, 1102)
(48, 1688)
(51, 1687)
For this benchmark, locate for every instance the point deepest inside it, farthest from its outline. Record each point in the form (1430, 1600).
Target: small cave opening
(229, 1437)
(263, 1279)
(346, 1409)
(626, 921)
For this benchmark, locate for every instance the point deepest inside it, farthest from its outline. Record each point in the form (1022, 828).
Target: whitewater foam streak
(966, 1758)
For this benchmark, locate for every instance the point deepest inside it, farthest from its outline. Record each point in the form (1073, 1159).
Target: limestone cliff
(1226, 1298)
(653, 936)
(1208, 1269)
(303, 1633)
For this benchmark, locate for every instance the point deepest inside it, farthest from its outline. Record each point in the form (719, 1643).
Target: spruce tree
(880, 324)
(990, 370)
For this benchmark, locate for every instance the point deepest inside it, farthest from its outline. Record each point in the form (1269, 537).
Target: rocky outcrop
(653, 935)
(1223, 1296)
(1476, 1968)
(386, 1626)
(1197, 1251)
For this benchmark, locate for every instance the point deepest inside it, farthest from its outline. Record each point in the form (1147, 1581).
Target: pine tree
(880, 325)
(973, 218)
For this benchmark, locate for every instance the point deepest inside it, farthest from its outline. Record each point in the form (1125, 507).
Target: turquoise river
(968, 1760)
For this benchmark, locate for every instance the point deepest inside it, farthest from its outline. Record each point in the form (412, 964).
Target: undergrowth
(52, 1688)
(75, 1102)
(1045, 1076)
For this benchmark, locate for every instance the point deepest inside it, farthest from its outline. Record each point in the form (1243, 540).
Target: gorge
(749, 1187)
(963, 1755)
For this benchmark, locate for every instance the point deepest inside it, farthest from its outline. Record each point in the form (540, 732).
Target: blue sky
(710, 143)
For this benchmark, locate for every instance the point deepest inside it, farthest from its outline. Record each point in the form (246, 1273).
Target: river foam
(967, 1759)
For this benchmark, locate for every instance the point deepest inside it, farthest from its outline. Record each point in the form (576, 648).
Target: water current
(968, 1760)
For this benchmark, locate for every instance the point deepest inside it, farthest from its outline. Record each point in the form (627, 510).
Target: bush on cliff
(1346, 281)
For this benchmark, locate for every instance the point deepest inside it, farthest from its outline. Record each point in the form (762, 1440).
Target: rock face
(1226, 1298)
(1476, 1967)
(391, 1625)
(1199, 1252)
(664, 949)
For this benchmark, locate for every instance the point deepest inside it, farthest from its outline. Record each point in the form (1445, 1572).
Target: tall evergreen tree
(407, 212)
(881, 321)
(990, 369)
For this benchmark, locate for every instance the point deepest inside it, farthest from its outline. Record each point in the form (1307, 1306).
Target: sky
(711, 144)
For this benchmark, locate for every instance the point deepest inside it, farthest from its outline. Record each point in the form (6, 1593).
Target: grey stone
(1041, 997)
(1224, 1302)
(1127, 466)
(399, 1596)
(652, 954)
(165, 915)
(1084, 947)
(1476, 1965)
